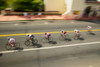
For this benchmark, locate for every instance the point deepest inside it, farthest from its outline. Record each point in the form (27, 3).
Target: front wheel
(8, 46)
(44, 40)
(17, 45)
(35, 41)
(50, 38)
(27, 42)
(61, 38)
(75, 38)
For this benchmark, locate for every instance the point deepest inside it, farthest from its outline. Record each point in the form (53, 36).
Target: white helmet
(75, 29)
(62, 30)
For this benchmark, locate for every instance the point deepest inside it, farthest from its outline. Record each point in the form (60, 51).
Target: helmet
(62, 30)
(8, 38)
(45, 33)
(89, 26)
(27, 35)
(75, 29)
(32, 35)
(49, 34)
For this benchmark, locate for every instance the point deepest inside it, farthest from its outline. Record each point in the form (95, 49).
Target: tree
(2, 4)
(27, 5)
(38, 5)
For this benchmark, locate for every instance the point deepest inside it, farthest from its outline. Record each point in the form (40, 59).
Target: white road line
(72, 21)
(16, 24)
(46, 23)
(70, 45)
(90, 66)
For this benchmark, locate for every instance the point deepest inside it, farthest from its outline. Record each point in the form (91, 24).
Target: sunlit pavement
(72, 56)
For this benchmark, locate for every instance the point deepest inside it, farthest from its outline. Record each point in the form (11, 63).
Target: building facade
(72, 7)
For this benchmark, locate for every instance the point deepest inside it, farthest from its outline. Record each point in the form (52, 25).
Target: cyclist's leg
(64, 35)
(12, 44)
(47, 37)
(77, 35)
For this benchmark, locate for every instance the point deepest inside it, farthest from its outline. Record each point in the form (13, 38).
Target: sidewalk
(35, 17)
(53, 17)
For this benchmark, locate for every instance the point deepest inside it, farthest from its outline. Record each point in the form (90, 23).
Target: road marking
(69, 45)
(5, 35)
(90, 66)
(46, 23)
(72, 22)
(16, 24)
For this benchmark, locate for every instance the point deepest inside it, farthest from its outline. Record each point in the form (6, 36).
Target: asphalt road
(55, 57)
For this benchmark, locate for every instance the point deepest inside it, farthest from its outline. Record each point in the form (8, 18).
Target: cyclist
(11, 41)
(63, 33)
(89, 28)
(77, 33)
(29, 36)
(47, 35)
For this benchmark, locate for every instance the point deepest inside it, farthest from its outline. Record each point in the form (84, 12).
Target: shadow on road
(67, 39)
(81, 38)
(91, 21)
(37, 45)
(92, 34)
(52, 42)
(19, 48)
(1, 54)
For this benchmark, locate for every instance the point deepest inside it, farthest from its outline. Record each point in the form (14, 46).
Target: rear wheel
(17, 45)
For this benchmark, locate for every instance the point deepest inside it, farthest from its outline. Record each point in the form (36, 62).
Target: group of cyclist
(47, 35)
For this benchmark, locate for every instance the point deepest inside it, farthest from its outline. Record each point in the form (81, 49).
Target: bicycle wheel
(61, 38)
(50, 38)
(17, 45)
(35, 41)
(27, 42)
(8, 47)
(44, 40)
(67, 36)
(75, 38)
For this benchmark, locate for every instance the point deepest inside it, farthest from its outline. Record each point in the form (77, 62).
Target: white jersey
(89, 27)
(47, 34)
(31, 36)
(76, 30)
(12, 40)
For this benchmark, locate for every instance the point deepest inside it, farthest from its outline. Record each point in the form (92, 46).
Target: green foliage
(28, 5)
(2, 4)
(23, 5)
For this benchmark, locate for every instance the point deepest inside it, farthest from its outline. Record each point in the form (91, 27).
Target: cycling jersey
(47, 34)
(77, 31)
(89, 27)
(31, 36)
(12, 40)
(64, 32)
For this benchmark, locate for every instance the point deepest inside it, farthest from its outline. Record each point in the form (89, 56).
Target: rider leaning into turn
(29, 36)
(11, 41)
(47, 35)
(63, 33)
(77, 32)
(89, 28)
